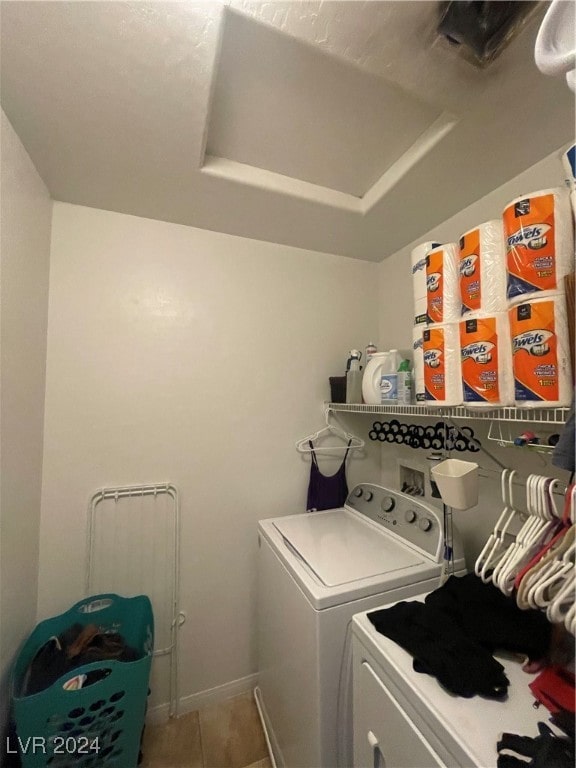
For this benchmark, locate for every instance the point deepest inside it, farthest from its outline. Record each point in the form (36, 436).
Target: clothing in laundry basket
(326, 491)
(74, 648)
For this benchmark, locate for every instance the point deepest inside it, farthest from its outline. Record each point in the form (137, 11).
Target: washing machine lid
(341, 548)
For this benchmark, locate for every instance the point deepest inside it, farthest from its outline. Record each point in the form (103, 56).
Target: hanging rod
(521, 481)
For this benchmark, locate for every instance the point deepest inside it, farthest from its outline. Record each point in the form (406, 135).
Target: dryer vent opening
(482, 30)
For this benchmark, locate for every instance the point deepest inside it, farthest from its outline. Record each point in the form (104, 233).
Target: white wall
(25, 250)
(200, 358)
(395, 301)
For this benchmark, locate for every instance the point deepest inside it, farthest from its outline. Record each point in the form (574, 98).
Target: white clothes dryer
(405, 719)
(315, 571)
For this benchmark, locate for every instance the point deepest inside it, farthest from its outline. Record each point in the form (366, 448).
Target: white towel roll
(482, 269)
(442, 376)
(486, 360)
(541, 352)
(539, 235)
(418, 263)
(443, 291)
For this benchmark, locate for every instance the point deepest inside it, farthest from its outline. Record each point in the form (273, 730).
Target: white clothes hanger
(524, 553)
(570, 620)
(555, 573)
(496, 547)
(550, 582)
(539, 585)
(564, 599)
(303, 445)
(532, 588)
(534, 534)
(505, 558)
(481, 560)
(555, 513)
(500, 574)
(542, 515)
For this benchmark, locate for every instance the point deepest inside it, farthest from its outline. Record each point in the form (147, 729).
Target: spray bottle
(371, 349)
(354, 378)
(404, 383)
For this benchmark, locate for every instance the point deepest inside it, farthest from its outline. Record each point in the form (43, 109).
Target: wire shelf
(504, 437)
(510, 414)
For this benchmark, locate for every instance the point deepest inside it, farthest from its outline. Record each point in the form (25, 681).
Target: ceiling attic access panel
(284, 107)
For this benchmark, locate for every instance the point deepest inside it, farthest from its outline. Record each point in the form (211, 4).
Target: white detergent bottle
(372, 376)
(389, 378)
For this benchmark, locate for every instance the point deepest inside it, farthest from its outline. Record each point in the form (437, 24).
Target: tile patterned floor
(227, 735)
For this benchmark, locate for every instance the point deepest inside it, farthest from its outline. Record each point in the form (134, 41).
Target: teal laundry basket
(101, 724)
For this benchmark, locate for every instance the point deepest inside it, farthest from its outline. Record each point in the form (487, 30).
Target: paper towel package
(539, 236)
(442, 377)
(442, 288)
(418, 262)
(418, 358)
(541, 352)
(482, 269)
(486, 360)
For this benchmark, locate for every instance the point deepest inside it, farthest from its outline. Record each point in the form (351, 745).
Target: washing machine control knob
(368, 495)
(410, 516)
(425, 524)
(358, 492)
(388, 504)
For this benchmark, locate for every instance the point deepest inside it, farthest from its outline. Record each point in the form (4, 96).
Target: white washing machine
(315, 571)
(404, 719)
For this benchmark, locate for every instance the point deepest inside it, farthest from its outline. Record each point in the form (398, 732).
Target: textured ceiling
(153, 109)
(289, 108)
(394, 40)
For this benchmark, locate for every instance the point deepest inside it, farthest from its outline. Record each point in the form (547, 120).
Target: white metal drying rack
(173, 542)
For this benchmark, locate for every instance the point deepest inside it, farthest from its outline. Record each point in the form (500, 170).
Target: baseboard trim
(203, 699)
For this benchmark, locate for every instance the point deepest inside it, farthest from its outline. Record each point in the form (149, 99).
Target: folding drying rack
(133, 549)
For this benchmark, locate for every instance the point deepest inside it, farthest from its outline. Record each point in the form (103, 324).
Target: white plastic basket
(457, 482)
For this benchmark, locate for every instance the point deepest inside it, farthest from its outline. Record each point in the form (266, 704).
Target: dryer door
(384, 735)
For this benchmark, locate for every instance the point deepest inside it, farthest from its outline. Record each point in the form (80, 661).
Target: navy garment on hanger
(326, 492)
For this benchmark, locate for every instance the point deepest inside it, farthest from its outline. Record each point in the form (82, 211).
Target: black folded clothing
(491, 618)
(453, 633)
(440, 648)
